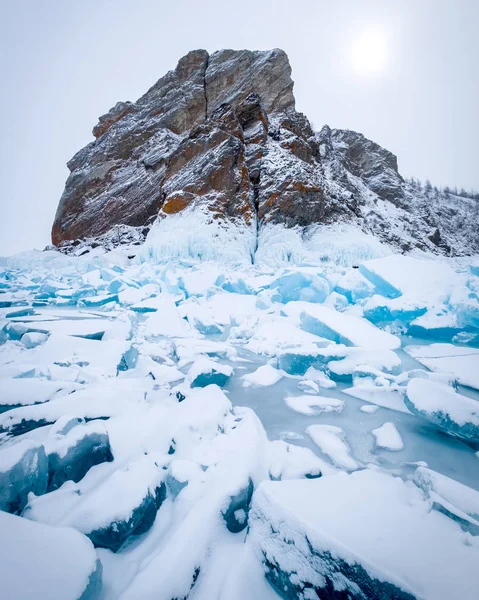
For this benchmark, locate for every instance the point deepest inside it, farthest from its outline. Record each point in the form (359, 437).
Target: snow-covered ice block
(24, 392)
(33, 339)
(454, 413)
(396, 275)
(320, 378)
(438, 324)
(97, 301)
(457, 501)
(353, 286)
(314, 405)
(72, 454)
(63, 350)
(388, 437)
(379, 309)
(382, 360)
(236, 513)
(287, 461)
(298, 362)
(372, 538)
(331, 440)
(95, 402)
(369, 409)
(23, 469)
(180, 473)
(388, 397)
(460, 361)
(39, 561)
(265, 375)
(204, 372)
(299, 285)
(340, 327)
(166, 321)
(125, 505)
(278, 334)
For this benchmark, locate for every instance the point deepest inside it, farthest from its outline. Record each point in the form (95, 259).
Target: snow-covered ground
(172, 427)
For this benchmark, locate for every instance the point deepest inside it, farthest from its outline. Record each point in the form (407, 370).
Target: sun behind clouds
(369, 51)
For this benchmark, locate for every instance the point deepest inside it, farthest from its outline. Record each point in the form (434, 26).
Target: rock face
(221, 134)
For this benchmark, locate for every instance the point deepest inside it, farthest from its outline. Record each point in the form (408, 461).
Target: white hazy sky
(63, 63)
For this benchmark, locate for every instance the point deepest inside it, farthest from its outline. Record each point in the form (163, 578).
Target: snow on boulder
(341, 327)
(23, 469)
(388, 437)
(454, 413)
(362, 535)
(39, 561)
(204, 372)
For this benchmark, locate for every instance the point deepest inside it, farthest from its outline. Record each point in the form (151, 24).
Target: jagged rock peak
(118, 178)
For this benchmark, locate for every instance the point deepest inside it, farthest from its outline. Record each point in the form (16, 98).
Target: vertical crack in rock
(204, 87)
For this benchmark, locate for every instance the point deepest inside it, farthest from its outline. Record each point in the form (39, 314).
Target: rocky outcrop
(220, 134)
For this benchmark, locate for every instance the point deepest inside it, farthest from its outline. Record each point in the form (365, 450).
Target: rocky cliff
(220, 135)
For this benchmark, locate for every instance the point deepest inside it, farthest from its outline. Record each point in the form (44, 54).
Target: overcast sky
(63, 63)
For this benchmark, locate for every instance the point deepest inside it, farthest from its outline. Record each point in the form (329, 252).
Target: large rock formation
(220, 134)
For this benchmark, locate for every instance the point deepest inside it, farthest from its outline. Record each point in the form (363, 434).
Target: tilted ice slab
(341, 327)
(462, 362)
(94, 402)
(23, 469)
(101, 357)
(455, 413)
(166, 321)
(388, 397)
(71, 454)
(275, 335)
(25, 392)
(457, 501)
(382, 360)
(374, 537)
(125, 504)
(430, 281)
(38, 561)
